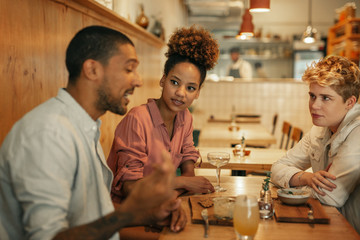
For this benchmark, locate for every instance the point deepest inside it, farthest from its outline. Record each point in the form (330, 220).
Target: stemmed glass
(246, 217)
(218, 159)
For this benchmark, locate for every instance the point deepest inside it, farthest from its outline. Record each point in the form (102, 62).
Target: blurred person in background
(239, 68)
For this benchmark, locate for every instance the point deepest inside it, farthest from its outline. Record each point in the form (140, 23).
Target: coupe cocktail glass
(218, 159)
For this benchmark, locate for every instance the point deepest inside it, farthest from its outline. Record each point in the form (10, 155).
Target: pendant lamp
(247, 27)
(310, 33)
(259, 5)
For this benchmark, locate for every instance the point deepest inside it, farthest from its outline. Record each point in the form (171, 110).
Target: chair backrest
(274, 124)
(286, 130)
(296, 135)
(196, 134)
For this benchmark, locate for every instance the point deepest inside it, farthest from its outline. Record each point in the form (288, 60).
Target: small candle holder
(266, 204)
(239, 150)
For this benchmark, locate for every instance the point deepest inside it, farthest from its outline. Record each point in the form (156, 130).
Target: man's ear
(350, 102)
(92, 69)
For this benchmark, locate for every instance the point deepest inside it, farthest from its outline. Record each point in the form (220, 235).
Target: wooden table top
(269, 229)
(259, 159)
(219, 135)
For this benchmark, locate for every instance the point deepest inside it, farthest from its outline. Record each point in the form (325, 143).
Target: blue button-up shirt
(53, 173)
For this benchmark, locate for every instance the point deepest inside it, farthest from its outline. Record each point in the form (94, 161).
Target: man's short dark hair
(95, 42)
(235, 50)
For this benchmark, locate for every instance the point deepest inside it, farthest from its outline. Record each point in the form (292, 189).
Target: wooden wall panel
(34, 36)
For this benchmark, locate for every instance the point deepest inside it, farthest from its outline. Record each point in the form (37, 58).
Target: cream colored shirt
(244, 68)
(317, 149)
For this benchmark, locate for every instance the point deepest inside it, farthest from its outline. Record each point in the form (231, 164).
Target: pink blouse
(138, 139)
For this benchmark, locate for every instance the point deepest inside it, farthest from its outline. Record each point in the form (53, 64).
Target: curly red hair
(339, 73)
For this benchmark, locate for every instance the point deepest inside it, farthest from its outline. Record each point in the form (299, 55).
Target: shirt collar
(156, 116)
(78, 113)
(352, 114)
(350, 117)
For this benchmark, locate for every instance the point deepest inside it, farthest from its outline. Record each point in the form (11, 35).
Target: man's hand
(152, 198)
(178, 220)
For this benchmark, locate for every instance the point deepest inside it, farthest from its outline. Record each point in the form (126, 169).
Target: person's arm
(188, 181)
(127, 156)
(43, 170)
(345, 168)
(318, 180)
(293, 162)
(150, 202)
(191, 183)
(127, 187)
(103, 228)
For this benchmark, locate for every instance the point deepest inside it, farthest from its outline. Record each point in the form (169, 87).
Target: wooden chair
(274, 124)
(196, 134)
(286, 130)
(275, 118)
(296, 136)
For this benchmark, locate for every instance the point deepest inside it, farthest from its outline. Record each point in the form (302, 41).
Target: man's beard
(106, 103)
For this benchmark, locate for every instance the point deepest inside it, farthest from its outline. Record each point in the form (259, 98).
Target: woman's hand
(194, 184)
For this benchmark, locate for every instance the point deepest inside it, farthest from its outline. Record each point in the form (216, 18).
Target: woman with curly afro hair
(166, 122)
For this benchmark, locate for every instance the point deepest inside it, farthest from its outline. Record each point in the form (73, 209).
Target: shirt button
(94, 128)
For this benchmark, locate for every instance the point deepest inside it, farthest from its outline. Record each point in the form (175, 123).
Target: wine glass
(246, 217)
(218, 159)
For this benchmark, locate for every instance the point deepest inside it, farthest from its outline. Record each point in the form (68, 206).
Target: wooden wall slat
(34, 36)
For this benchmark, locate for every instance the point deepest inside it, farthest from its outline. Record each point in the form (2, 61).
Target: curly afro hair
(196, 44)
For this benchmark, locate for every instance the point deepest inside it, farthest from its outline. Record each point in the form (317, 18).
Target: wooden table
(259, 159)
(269, 229)
(239, 118)
(219, 135)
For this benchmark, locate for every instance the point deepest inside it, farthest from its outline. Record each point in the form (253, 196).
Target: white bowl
(293, 196)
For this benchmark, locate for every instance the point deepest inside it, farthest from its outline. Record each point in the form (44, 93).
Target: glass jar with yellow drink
(246, 216)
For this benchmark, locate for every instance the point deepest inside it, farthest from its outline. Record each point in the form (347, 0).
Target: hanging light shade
(247, 27)
(310, 34)
(259, 5)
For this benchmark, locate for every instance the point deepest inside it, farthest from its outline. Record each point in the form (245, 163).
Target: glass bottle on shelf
(142, 20)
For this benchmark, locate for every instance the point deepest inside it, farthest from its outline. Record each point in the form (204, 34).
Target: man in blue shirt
(54, 180)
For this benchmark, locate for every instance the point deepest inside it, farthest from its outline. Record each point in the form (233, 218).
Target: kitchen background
(278, 31)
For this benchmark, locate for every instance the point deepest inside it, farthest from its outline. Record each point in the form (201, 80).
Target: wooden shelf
(103, 14)
(349, 31)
